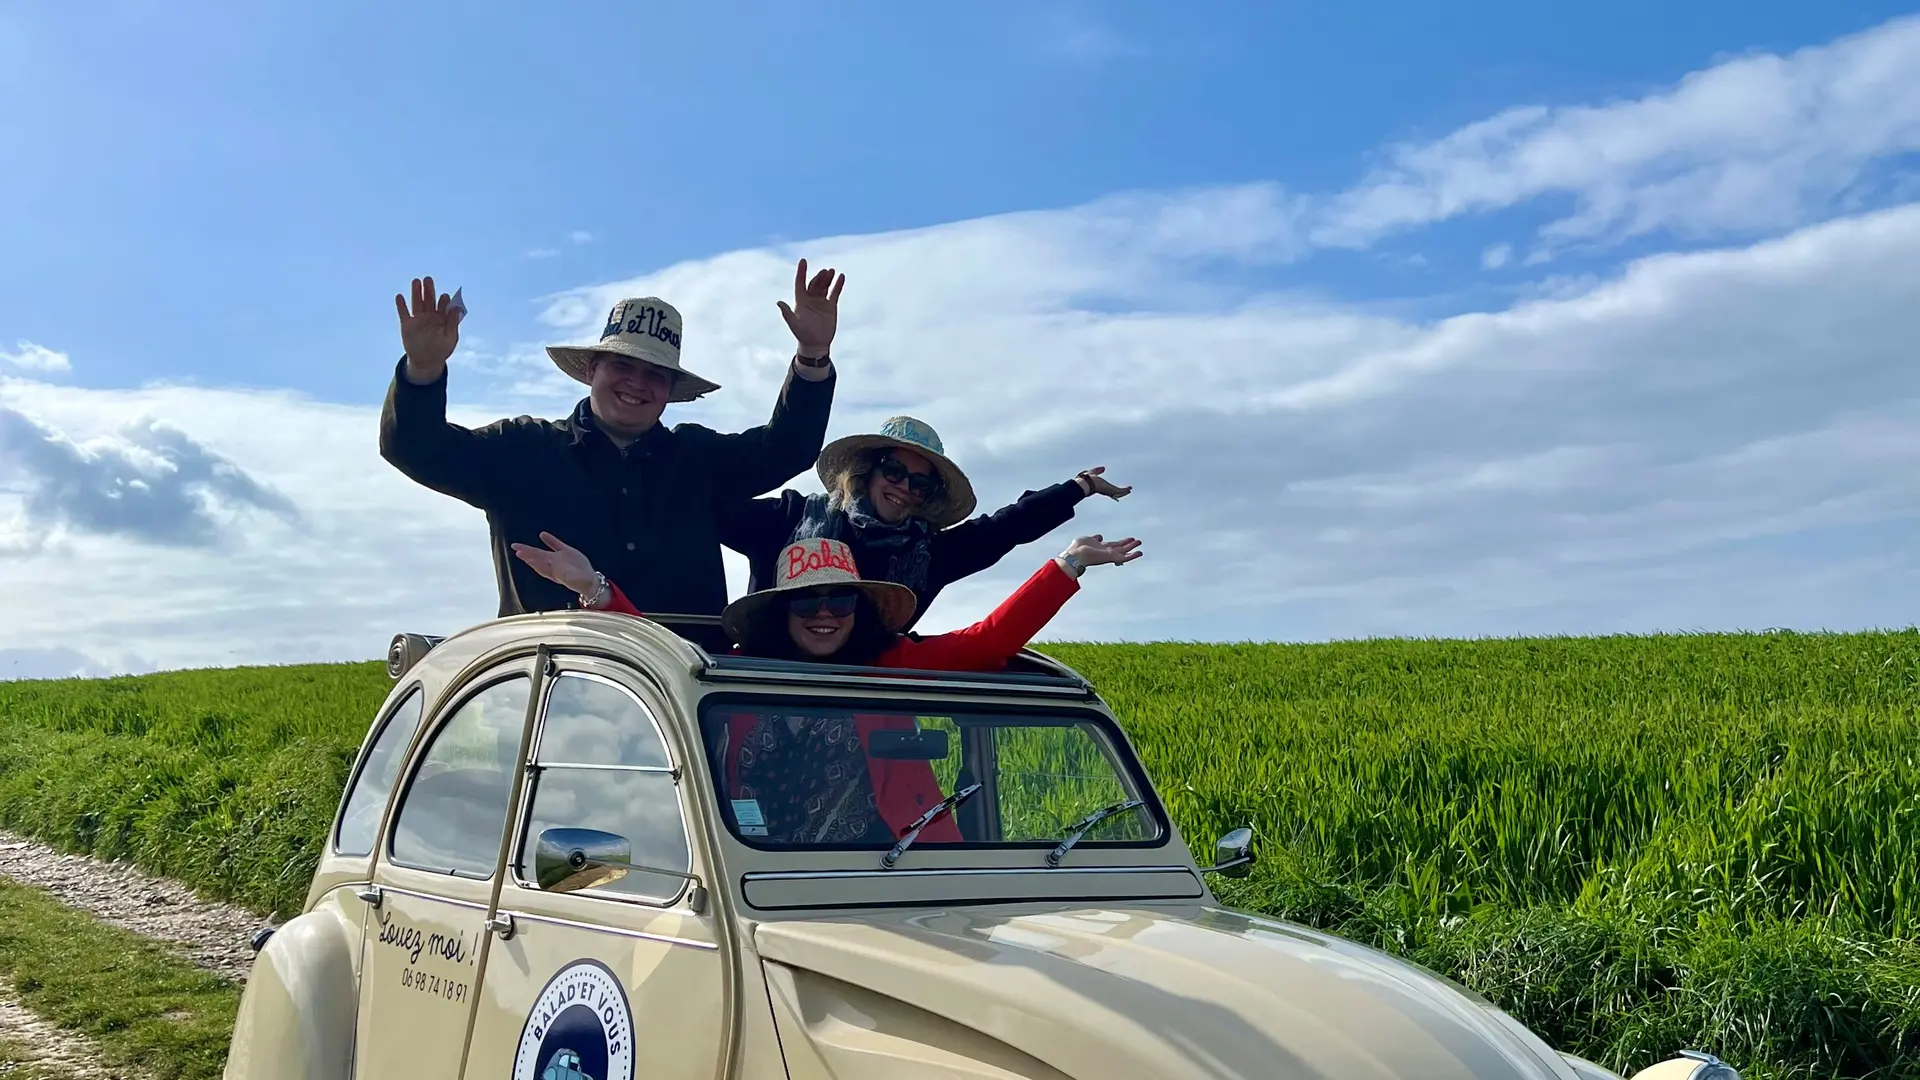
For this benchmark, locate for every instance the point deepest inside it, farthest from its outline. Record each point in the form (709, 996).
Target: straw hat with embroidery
(806, 564)
(842, 456)
(645, 328)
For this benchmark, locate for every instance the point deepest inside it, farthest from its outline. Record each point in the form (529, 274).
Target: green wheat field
(1634, 845)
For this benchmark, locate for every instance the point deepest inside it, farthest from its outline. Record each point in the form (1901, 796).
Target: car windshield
(845, 776)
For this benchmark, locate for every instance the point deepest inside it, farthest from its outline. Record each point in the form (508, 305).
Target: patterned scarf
(906, 545)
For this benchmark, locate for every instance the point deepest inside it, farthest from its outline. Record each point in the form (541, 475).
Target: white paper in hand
(458, 304)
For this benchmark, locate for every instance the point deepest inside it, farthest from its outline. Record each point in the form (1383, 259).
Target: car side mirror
(567, 860)
(891, 744)
(1233, 854)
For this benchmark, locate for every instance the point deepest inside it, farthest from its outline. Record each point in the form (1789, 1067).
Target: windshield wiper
(945, 807)
(1081, 827)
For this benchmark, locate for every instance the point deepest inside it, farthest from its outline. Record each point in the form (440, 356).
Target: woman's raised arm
(988, 644)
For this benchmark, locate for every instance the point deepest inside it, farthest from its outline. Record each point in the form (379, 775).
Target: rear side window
(601, 764)
(455, 809)
(373, 779)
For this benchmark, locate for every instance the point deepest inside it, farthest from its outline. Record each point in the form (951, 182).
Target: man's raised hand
(815, 313)
(429, 331)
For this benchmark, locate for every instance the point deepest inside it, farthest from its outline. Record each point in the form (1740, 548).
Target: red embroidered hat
(809, 564)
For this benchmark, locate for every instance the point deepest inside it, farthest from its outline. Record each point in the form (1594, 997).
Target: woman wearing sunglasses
(820, 609)
(901, 505)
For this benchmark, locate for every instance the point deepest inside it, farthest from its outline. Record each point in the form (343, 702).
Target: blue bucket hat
(842, 456)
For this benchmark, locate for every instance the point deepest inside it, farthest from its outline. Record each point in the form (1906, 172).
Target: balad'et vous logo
(581, 1028)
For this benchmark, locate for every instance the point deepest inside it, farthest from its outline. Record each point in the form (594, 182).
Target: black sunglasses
(925, 485)
(839, 603)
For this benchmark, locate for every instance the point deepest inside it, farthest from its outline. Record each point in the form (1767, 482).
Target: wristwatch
(815, 362)
(1074, 566)
(599, 593)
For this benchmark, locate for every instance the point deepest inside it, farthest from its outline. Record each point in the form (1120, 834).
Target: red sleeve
(988, 644)
(618, 603)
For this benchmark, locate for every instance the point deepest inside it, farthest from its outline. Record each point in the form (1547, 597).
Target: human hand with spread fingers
(813, 317)
(429, 331)
(1096, 550)
(566, 566)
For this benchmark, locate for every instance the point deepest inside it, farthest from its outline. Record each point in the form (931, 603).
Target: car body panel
(1173, 993)
(772, 892)
(974, 962)
(296, 1014)
(419, 968)
(668, 1015)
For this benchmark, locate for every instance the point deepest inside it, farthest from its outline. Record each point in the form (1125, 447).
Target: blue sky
(201, 199)
(207, 166)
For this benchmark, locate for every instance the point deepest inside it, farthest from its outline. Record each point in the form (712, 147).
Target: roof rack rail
(1054, 678)
(699, 631)
(713, 661)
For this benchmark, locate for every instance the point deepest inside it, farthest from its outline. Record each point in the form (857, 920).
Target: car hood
(1106, 993)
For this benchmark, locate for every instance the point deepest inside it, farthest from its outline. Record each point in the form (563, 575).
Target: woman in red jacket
(820, 609)
(803, 776)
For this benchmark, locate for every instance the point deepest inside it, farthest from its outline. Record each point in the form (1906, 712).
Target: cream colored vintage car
(585, 846)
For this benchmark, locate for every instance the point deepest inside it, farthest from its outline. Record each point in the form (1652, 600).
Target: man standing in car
(616, 483)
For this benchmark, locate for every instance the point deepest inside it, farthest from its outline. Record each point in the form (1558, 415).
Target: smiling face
(820, 620)
(628, 395)
(892, 487)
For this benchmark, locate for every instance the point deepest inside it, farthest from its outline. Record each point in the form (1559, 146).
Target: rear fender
(296, 1017)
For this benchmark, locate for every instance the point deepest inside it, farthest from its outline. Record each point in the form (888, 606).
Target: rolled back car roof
(702, 655)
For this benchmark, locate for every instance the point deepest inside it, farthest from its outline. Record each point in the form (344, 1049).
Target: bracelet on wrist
(1073, 566)
(820, 361)
(599, 594)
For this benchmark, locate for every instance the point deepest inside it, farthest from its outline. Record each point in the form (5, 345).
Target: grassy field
(1633, 844)
(147, 1011)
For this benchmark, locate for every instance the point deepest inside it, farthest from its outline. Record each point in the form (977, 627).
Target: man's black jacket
(643, 515)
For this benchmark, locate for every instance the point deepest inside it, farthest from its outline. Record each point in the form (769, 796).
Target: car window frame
(1066, 714)
(381, 722)
(597, 669)
(517, 668)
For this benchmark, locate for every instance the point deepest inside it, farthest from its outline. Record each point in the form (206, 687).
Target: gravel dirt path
(214, 935)
(32, 1049)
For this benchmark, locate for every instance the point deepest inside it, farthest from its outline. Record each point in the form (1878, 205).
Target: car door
(620, 979)
(434, 879)
(356, 831)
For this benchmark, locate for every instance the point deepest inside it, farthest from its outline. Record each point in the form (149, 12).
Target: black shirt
(644, 515)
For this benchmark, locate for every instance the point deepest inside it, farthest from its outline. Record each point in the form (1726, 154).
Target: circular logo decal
(581, 1028)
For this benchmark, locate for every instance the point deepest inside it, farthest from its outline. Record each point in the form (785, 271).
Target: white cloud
(367, 556)
(63, 663)
(1748, 146)
(1711, 439)
(30, 357)
(1708, 440)
(149, 482)
(580, 236)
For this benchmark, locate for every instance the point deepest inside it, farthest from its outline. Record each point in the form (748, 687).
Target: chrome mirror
(566, 860)
(1233, 854)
